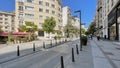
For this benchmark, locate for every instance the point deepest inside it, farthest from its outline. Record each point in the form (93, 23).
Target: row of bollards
(56, 43)
(18, 49)
(73, 57)
(44, 46)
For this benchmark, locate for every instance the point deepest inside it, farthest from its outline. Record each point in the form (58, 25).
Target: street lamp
(79, 11)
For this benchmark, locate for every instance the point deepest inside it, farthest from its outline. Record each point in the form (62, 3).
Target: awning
(18, 34)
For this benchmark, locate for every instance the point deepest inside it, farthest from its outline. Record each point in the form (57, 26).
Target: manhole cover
(118, 48)
(109, 53)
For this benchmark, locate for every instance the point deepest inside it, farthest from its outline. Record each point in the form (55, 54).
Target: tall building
(106, 18)
(76, 22)
(66, 15)
(7, 21)
(36, 11)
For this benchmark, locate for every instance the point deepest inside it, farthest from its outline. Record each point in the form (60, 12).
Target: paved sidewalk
(91, 57)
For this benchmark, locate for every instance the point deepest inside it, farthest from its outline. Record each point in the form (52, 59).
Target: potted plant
(84, 40)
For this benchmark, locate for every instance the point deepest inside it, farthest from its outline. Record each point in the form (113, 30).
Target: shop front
(113, 23)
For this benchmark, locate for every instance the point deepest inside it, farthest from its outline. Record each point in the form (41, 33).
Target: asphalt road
(47, 58)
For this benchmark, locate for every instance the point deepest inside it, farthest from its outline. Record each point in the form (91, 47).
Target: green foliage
(83, 31)
(70, 30)
(49, 25)
(91, 29)
(29, 27)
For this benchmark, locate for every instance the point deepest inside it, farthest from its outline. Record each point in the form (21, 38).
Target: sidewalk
(91, 57)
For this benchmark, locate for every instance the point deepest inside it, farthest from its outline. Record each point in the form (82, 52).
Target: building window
(30, 1)
(20, 16)
(1, 19)
(53, 5)
(20, 23)
(29, 15)
(40, 16)
(21, 8)
(47, 11)
(40, 24)
(21, 0)
(47, 17)
(47, 4)
(53, 12)
(6, 19)
(53, 0)
(6, 27)
(29, 8)
(6, 15)
(0, 14)
(40, 2)
(40, 10)
(6, 23)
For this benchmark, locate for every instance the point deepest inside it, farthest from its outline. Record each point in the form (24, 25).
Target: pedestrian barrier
(33, 47)
(18, 51)
(73, 58)
(77, 51)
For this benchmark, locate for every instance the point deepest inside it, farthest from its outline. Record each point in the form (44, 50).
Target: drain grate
(117, 48)
(108, 53)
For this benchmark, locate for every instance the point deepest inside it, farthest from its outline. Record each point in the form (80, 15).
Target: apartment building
(106, 18)
(99, 18)
(36, 11)
(66, 17)
(76, 22)
(7, 21)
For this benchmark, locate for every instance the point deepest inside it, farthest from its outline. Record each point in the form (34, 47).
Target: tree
(70, 30)
(49, 25)
(29, 27)
(91, 29)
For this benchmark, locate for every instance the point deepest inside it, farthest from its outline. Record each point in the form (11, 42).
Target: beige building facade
(104, 7)
(36, 11)
(7, 21)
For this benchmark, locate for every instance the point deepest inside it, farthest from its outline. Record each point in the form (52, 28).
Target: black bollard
(62, 62)
(43, 44)
(56, 42)
(73, 58)
(34, 47)
(18, 51)
(51, 43)
(77, 51)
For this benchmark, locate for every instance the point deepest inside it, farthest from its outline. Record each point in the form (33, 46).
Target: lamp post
(79, 11)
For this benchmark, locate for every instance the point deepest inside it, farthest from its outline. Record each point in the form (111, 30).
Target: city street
(47, 58)
(97, 54)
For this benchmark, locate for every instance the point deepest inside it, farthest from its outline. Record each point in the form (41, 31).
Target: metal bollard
(77, 51)
(43, 44)
(62, 62)
(73, 58)
(56, 42)
(18, 51)
(51, 43)
(34, 47)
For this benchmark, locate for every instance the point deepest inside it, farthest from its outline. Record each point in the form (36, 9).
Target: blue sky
(86, 6)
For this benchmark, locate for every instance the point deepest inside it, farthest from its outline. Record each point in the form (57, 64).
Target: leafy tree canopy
(49, 25)
(29, 27)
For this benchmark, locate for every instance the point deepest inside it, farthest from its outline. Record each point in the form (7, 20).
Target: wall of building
(37, 11)
(7, 21)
